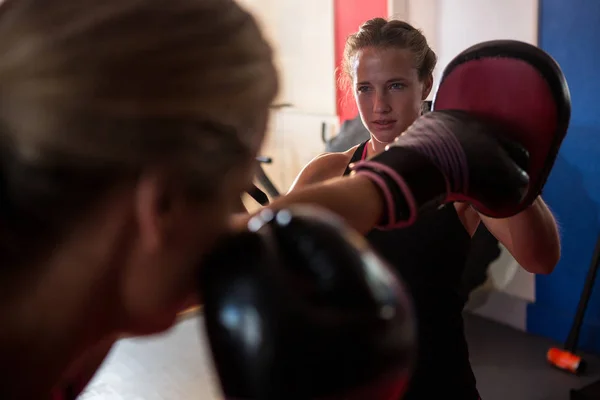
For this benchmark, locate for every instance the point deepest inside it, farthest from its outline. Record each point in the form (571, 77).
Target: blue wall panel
(570, 32)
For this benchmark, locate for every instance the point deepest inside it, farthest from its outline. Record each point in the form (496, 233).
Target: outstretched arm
(355, 198)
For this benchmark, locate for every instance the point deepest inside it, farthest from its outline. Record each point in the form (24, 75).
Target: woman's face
(173, 239)
(388, 91)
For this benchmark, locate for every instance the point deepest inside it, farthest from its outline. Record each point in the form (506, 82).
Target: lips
(384, 123)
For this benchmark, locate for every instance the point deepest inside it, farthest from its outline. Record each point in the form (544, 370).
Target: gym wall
(570, 32)
(302, 35)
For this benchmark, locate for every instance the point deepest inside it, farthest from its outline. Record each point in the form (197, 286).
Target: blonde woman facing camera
(389, 67)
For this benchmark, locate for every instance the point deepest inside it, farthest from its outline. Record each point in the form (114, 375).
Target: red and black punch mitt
(522, 88)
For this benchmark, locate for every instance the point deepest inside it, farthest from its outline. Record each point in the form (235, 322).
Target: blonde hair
(93, 91)
(379, 32)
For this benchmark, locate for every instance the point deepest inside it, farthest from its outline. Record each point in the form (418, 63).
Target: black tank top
(430, 257)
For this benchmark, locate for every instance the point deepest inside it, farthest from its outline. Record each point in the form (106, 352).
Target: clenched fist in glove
(448, 156)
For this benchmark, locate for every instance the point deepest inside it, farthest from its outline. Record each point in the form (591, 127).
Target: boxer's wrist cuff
(415, 184)
(400, 208)
(389, 213)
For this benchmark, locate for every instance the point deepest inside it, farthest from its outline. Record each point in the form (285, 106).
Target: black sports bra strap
(359, 154)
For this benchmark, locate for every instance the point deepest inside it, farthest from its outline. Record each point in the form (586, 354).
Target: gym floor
(509, 365)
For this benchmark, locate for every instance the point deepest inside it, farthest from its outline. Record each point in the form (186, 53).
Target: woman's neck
(54, 315)
(44, 332)
(375, 147)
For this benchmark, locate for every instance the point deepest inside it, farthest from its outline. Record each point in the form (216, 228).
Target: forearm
(355, 199)
(534, 238)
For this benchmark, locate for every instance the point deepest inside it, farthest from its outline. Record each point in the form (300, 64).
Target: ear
(427, 85)
(154, 206)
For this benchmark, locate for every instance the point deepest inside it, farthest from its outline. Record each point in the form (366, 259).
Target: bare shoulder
(323, 167)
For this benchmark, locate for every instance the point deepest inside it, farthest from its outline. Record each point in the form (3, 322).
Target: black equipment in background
(255, 192)
(263, 179)
(258, 195)
(590, 391)
(567, 359)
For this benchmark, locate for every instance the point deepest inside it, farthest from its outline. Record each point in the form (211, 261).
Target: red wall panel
(349, 15)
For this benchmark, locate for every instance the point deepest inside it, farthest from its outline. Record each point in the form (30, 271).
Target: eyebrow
(388, 81)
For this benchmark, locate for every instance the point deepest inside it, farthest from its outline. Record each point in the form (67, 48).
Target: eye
(397, 86)
(362, 88)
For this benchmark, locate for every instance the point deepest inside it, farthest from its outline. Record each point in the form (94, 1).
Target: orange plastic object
(564, 360)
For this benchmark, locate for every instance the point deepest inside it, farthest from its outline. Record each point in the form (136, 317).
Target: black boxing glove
(301, 308)
(448, 156)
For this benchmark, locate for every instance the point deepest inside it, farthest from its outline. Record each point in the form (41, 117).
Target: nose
(381, 104)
